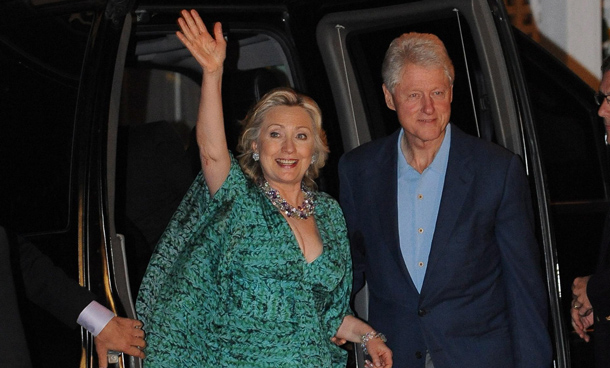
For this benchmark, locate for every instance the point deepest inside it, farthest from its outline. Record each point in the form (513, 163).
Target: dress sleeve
(196, 210)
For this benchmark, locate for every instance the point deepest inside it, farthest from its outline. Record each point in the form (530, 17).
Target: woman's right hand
(210, 52)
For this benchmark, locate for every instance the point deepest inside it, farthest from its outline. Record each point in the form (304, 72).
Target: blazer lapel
(458, 180)
(383, 196)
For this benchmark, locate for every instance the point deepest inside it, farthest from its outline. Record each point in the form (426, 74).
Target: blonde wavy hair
(255, 118)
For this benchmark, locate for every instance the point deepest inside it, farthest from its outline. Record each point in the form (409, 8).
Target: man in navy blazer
(591, 294)
(442, 229)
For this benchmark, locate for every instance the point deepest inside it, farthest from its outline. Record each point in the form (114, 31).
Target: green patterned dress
(228, 285)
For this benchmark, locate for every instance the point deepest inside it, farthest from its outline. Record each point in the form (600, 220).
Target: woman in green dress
(243, 276)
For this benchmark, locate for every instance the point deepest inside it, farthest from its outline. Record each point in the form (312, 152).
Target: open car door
(490, 96)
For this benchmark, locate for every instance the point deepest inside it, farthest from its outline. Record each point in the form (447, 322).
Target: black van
(98, 101)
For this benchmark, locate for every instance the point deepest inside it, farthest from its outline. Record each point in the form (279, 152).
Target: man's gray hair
(422, 49)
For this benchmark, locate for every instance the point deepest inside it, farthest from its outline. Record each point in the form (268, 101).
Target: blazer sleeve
(47, 286)
(349, 211)
(526, 294)
(598, 291)
(14, 350)
(598, 287)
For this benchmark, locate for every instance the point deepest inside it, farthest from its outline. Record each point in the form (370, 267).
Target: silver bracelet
(370, 336)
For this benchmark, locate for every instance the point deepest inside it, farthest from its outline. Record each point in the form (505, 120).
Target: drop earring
(255, 156)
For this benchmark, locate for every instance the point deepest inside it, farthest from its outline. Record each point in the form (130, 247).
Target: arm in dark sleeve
(346, 199)
(526, 294)
(14, 350)
(48, 286)
(598, 286)
(598, 291)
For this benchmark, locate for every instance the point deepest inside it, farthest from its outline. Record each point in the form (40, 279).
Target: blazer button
(422, 312)
(418, 355)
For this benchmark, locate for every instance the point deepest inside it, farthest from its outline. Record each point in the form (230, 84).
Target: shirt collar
(439, 164)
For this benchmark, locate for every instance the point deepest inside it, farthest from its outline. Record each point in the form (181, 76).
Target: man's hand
(120, 334)
(581, 308)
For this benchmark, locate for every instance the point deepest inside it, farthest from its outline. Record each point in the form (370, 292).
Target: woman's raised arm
(210, 53)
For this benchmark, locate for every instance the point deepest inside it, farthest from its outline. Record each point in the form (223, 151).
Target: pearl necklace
(302, 212)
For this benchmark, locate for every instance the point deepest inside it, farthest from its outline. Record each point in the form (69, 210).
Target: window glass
(40, 61)
(569, 131)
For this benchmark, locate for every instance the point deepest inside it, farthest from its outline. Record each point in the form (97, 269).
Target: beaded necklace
(301, 212)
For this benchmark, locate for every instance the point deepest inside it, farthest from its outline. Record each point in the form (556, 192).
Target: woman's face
(285, 146)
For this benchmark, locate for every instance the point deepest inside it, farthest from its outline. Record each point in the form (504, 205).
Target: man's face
(422, 99)
(604, 108)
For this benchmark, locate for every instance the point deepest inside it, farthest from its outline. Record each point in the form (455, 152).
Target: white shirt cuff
(95, 317)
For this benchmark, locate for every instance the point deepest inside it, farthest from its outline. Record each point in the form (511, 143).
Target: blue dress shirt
(419, 198)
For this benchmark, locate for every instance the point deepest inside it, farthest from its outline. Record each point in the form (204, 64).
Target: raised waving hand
(209, 51)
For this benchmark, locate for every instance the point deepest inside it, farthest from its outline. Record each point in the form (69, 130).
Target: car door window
(570, 133)
(354, 44)
(367, 49)
(40, 60)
